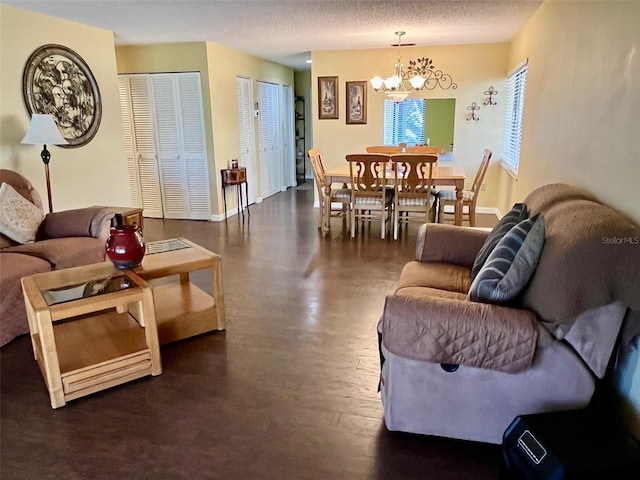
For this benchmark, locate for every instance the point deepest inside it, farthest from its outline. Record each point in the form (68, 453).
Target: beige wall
(473, 67)
(582, 111)
(582, 107)
(218, 66)
(92, 174)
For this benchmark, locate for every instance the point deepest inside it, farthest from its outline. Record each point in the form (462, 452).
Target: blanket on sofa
(447, 330)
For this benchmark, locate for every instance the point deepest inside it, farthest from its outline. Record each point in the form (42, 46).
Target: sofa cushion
(19, 218)
(443, 276)
(14, 266)
(428, 292)
(64, 252)
(517, 213)
(511, 263)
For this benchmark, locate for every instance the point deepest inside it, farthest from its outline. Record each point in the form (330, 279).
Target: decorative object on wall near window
(57, 81)
(491, 93)
(420, 74)
(357, 103)
(473, 108)
(327, 98)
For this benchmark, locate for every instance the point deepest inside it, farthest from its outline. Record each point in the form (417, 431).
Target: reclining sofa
(63, 239)
(464, 350)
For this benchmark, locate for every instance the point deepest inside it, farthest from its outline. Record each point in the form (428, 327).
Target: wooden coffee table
(183, 309)
(92, 327)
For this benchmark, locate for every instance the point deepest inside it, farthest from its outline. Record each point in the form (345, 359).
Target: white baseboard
(484, 210)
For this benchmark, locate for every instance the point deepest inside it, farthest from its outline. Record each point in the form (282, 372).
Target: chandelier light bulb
(417, 82)
(376, 83)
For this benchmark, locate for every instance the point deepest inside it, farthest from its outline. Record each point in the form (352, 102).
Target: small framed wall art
(327, 98)
(357, 103)
(57, 81)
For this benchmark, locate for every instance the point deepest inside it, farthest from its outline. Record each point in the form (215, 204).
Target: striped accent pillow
(517, 213)
(511, 264)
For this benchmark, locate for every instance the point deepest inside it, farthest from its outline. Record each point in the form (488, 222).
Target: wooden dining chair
(340, 196)
(469, 197)
(413, 175)
(371, 200)
(426, 149)
(384, 149)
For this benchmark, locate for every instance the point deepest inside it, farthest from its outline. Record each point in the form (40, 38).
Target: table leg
(246, 196)
(224, 196)
(458, 207)
(326, 217)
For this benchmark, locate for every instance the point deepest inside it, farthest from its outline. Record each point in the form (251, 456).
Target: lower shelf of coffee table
(183, 310)
(98, 351)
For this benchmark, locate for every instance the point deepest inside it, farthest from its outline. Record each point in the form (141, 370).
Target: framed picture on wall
(357, 103)
(327, 98)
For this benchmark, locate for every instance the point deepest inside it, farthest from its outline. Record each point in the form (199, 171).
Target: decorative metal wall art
(492, 93)
(433, 78)
(57, 81)
(473, 108)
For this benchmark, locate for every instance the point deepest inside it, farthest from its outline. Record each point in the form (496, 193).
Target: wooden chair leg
(472, 216)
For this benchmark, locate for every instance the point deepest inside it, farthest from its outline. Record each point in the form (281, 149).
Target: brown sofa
(64, 239)
(465, 369)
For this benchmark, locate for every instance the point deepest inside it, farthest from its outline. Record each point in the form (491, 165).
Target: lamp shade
(43, 131)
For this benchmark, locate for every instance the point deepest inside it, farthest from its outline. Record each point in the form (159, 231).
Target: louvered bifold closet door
(244, 96)
(269, 139)
(127, 126)
(143, 141)
(194, 151)
(181, 146)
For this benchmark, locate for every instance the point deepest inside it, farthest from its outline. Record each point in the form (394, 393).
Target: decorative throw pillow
(19, 218)
(517, 213)
(511, 264)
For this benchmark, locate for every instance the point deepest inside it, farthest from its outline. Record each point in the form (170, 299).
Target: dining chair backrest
(368, 172)
(424, 149)
(384, 149)
(482, 170)
(413, 173)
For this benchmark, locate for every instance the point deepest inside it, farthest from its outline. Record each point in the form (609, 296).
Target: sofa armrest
(446, 330)
(450, 244)
(82, 222)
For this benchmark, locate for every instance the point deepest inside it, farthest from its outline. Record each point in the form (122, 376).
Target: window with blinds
(404, 121)
(513, 128)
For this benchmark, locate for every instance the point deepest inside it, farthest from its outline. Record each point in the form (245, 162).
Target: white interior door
(288, 147)
(166, 137)
(144, 177)
(244, 95)
(269, 139)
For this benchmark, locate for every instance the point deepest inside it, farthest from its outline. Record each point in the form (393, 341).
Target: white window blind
(404, 121)
(513, 128)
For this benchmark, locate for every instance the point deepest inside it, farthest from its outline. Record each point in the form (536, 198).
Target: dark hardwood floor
(288, 391)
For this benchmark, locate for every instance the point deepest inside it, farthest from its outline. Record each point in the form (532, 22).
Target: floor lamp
(42, 131)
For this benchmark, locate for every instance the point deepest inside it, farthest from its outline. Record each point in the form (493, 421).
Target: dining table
(450, 176)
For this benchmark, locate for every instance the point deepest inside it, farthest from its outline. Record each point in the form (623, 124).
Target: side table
(237, 177)
(92, 327)
(128, 216)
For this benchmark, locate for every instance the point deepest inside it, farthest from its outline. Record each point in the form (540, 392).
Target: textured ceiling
(285, 31)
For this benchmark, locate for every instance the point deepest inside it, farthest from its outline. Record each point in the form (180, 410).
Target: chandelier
(420, 74)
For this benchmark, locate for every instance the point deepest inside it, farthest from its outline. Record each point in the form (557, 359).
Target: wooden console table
(237, 177)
